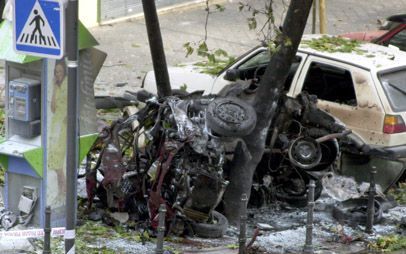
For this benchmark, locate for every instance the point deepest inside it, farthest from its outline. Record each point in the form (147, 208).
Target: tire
(212, 230)
(231, 117)
(353, 211)
(299, 200)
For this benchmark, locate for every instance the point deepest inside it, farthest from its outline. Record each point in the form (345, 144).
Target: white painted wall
(88, 12)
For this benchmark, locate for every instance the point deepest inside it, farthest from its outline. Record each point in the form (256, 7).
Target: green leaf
(241, 6)
(188, 48)
(220, 52)
(183, 88)
(211, 58)
(252, 23)
(232, 246)
(220, 7)
(202, 50)
(203, 47)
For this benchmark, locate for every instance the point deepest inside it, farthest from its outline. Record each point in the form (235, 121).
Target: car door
(347, 92)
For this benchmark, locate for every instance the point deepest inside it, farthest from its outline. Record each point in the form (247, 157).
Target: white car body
(369, 115)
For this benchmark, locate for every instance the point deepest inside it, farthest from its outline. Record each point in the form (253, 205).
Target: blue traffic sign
(39, 28)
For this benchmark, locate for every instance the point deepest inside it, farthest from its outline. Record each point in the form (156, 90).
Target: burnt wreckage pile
(177, 151)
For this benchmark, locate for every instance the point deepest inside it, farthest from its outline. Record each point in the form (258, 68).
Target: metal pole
(371, 202)
(47, 231)
(308, 248)
(243, 224)
(161, 230)
(72, 124)
(157, 48)
(322, 16)
(314, 17)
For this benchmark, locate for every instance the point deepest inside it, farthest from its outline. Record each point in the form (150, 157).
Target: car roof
(369, 56)
(401, 18)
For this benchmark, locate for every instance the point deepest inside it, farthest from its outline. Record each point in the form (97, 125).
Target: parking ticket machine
(24, 106)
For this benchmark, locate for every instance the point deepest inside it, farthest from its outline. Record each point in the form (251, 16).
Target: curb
(169, 9)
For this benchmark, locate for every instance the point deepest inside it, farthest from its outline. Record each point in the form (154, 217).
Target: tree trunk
(248, 155)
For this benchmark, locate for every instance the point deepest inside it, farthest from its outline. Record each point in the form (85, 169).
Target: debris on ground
(176, 151)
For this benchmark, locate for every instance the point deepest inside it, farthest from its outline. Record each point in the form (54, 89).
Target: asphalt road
(127, 45)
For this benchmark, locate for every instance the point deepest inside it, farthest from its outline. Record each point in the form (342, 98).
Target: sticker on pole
(39, 28)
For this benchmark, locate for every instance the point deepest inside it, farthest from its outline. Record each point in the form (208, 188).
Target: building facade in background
(96, 12)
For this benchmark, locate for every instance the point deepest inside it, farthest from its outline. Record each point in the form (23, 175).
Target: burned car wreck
(171, 157)
(178, 150)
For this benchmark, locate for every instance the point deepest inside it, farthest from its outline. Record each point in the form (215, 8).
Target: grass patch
(91, 237)
(399, 193)
(389, 243)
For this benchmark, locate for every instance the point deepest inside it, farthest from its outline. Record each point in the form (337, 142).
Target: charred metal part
(371, 202)
(223, 187)
(333, 136)
(173, 152)
(308, 247)
(257, 232)
(8, 219)
(354, 211)
(242, 238)
(301, 143)
(47, 231)
(161, 230)
(186, 130)
(114, 170)
(305, 153)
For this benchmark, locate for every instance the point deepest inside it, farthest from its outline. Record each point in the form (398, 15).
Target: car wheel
(215, 229)
(230, 117)
(294, 191)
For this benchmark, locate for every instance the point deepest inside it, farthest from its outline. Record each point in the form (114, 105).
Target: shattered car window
(255, 68)
(394, 84)
(330, 83)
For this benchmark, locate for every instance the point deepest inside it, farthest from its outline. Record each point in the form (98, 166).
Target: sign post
(39, 30)
(72, 128)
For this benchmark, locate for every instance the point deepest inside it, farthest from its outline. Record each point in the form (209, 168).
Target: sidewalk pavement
(128, 51)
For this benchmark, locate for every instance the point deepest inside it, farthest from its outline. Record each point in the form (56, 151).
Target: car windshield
(259, 59)
(238, 59)
(394, 84)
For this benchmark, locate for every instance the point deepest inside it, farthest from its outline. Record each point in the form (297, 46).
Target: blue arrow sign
(39, 28)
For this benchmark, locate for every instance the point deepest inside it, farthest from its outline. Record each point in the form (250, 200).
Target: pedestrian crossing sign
(39, 27)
